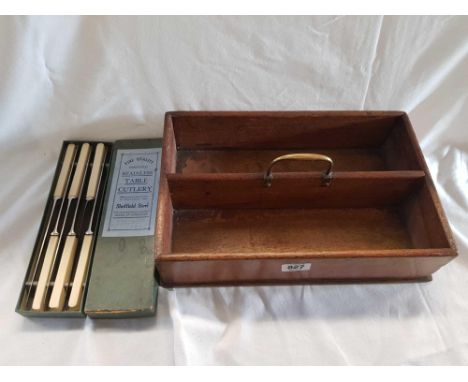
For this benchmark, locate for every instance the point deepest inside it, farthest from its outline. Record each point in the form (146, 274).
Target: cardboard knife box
(295, 197)
(112, 223)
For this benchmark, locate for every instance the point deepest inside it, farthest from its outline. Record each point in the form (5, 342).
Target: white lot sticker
(295, 267)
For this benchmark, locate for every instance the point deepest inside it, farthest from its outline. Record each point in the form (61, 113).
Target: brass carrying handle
(326, 176)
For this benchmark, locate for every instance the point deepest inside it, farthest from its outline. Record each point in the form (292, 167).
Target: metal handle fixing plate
(326, 176)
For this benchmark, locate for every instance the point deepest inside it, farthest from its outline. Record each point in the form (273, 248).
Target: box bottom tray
(288, 230)
(257, 246)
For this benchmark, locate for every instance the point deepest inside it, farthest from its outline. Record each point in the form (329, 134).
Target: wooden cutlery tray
(291, 197)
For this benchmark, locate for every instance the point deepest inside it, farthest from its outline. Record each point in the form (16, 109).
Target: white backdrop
(113, 78)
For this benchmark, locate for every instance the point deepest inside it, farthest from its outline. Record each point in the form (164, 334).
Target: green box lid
(122, 282)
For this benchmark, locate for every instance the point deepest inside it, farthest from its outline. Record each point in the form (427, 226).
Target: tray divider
(292, 190)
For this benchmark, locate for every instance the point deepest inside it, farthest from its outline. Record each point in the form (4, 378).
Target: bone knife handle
(64, 172)
(39, 295)
(79, 172)
(94, 178)
(80, 274)
(57, 297)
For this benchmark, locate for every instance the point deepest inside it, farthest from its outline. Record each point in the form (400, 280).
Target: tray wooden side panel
(260, 130)
(390, 266)
(429, 202)
(163, 234)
